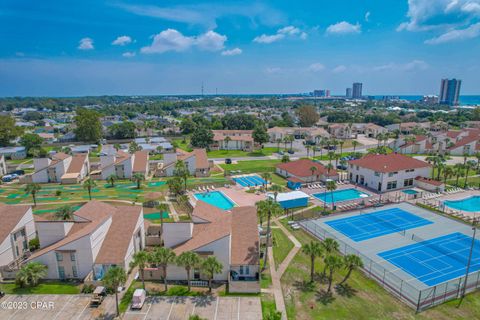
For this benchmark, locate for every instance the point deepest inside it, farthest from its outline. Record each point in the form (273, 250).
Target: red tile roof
(429, 181)
(392, 162)
(301, 168)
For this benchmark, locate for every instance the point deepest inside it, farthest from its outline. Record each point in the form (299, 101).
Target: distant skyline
(145, 47)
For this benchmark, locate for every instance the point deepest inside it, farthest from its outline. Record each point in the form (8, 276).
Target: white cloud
(173, 40)
(316, 67)
(128, 54)
(122, 41)
(471, 32)
(211, 41)
(85, 44)
(367, 16)
(232, 52)
(344, 27)
(339, 69)
(409, 66)
(273, 70)
(288, 31)
(268, 38)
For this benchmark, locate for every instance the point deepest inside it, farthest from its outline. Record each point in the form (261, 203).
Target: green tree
(30, 274)
(162, 257)
(114, 278)
(313, 169)
(33, 188)
(266, 176)
(260, 134)
(226, 141)
(351, 262)
(111, 179)
(175, 185)
(268, 208)
(140, 259)
(31, 141)
(64, 213)
(329, 246)
(275, 189)
(313, 250)
(138, 178)
(182, 172)
(211, 266)
(333, 263)
(188, 260)
(201, 137)
(162, 208)
(459, 170)
(355, 144)
(285, 158)
(331, 186)
(134, 147)
(273, 315)
(124, 130)
(307, 116)
(469, 165)
(88, 125)
(88, 185)
(8, 130)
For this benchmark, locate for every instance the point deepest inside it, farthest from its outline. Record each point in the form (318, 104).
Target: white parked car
(138, 299)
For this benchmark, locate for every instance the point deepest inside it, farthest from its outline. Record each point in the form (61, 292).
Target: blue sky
(71, 48)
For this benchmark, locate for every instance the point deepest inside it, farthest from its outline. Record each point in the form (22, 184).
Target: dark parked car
(291, 151)
(228, 161)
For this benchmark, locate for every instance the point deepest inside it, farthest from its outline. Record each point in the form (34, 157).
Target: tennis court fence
(414, 297)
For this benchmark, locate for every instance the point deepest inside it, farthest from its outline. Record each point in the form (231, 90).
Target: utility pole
(464, 289)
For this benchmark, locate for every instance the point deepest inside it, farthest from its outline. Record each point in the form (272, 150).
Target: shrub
(34, 244)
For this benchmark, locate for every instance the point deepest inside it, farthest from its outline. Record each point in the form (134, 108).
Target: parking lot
(212, 308)
(52, 307)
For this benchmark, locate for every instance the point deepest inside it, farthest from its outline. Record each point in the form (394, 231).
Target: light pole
(464, 289)
(381, 184)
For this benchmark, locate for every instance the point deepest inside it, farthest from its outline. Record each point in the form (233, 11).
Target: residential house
(16, 230)
(372, 130)
(122, 164)
(233, 140)
(154, 144)
(14, 153)
(60, 168)
(310, 134)
(98, 236)
(341, 131)
(301, 171)
(231, 236)
(196, 161)
(387, 172)
(47, 137)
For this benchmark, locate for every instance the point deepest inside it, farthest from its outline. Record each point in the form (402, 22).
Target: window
(61, 272)
(408, 182)
(72, 256)
(241, 269)
(410, 170)
(74, 272)
(247, 270)
(377, 174)
(59, 256)
(391, 185)
(391, 174)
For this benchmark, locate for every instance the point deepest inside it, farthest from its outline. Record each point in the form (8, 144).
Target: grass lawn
(281, 246)
(365, 300)
(19, 161)
(239, 153)
(472, 181)
(43, 288)
(252, 166)
(268, 305)
(183, 144)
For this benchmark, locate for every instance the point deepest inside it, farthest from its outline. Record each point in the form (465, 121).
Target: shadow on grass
(304, 286)
(324, 297)
(345, 290)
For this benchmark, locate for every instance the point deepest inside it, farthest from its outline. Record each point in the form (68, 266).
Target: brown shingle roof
(245, 237)
(77, 163)
(10, 216)
(301, 168)
(201, 158)
(141, 161)
(389, 163)
(235, 135)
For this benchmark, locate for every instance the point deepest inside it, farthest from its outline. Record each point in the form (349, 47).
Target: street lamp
(381, 183)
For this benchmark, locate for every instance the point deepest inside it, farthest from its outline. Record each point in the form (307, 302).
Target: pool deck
(456, 196)
(236, 194)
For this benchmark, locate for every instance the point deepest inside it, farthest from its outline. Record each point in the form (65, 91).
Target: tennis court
(250, 181)
(371, 225)
(436, 260)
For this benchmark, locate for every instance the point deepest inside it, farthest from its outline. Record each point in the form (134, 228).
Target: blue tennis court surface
(376, 224)
(250, 181)
(436, 260)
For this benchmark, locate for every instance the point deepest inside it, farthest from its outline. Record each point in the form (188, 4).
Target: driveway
(53, 307)
(181, 308)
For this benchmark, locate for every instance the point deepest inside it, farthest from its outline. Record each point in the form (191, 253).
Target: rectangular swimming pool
(250, 181)
(470, 204)
(215, 198)
(340, 195)
(371, 225)
(436, 260)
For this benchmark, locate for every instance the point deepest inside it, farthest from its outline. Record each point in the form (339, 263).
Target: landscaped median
(43, 288)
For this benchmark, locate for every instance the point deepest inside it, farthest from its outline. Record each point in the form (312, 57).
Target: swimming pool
(340, 195)
(410, 191)
(215, 198)
(471, 204)
(250, 181)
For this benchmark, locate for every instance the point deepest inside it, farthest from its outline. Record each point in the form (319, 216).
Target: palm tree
(211, 266)
(89, 184)
(470, 165)
(314, 150)
(111, 179)
(114, 278)
(226, 140)
(64, 213)
(331, 186)
(329, 246)
(276, 190)
(447, 173)
(354, 145)
(269, 208)
(459, 170)
(138, 178)
(266, 176)
(188, 260)
(33, 188)
(379, 138)
(477, 155)
(30, 274)
(351, 262)
(278, 141)
(285, 142)
(314, 250)
(333, 263)
(162, 207)
(337, 157)
(181, 171)
(140, 259)
(313, 169)
(308, 147)
(162, 257)
(331, 155)
(341, 143)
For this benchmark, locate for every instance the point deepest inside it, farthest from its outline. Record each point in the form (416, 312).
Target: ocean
(464, 100)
